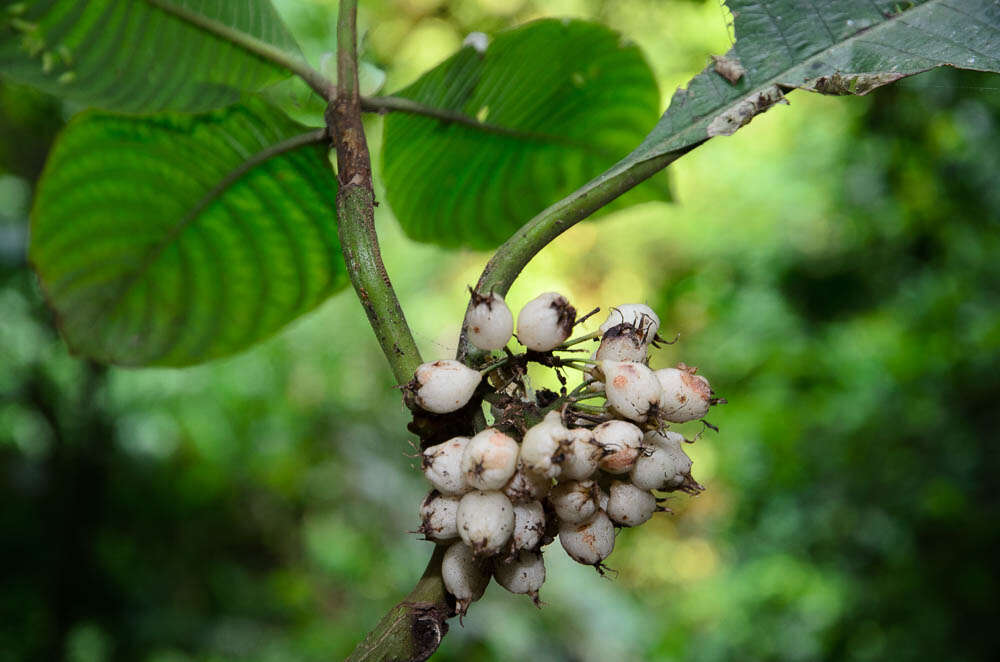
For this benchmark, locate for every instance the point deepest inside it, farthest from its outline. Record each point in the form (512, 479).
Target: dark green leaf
(130, 56)
(560, 100)
(833, 47)
(175, 239)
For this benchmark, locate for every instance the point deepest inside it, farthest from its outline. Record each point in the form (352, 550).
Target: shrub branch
(413, 629)
(356, 210)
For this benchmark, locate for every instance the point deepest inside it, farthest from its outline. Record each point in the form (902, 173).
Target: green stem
(356, 210)
(576, 341)
(590, 409)
(251, 44)
(493, 366)
(413, 629)
(536, 234)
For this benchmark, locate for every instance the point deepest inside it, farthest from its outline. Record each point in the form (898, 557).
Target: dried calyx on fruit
(545, 322)
(439, 516)
(632, 389)
(638, 316)
(623, 342)
(577, 463)
(489, 460)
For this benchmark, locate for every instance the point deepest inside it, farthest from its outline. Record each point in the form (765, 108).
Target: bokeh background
(834, 269)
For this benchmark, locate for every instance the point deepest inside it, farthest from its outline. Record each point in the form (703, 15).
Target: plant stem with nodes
(356, 211)
(413, 629)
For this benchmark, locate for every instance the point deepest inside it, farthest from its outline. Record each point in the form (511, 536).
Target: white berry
(489, 322)
(684, 396)
(545, 322)
(444, 386)
(543, 445)
(631, 388)
(523, 575)
(588, 542)
(526, 485)
(529, 525)
(622, 343)
(489, 460)
(464, 576)
(439, 516)
(638, 315)
(485, 521)
(575, 500)
(442, 466)
(581, 458)
(663, 464)
(621, 442)
(629, 505)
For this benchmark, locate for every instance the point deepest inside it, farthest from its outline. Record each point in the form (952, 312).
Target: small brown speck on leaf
(728, 67)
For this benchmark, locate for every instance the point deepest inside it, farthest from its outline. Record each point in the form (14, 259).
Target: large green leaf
(829, 46)
(132, 56)
(559, 101)
(175, 239)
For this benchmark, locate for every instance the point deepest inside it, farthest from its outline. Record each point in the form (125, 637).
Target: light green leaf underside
(566, 99)
(154, 248)
(130, 56)
(830, 46)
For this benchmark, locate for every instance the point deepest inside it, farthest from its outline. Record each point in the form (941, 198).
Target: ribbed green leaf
(561, 101)
(175, 239)
(130, 56)
(832, 47)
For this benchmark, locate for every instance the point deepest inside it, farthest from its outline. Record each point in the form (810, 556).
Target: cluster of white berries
(579, 472)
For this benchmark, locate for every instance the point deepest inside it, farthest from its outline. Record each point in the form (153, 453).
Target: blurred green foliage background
(834, 269)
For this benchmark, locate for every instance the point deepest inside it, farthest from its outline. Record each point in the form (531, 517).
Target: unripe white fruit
(526, 485)
(444, 386)
(622, 343)
(542, 449)
(489, 322)
(439, 516)
(489, 460)
(529, 525)
(545, 322)
(621, 442)
(524, 575)
(442, 466)
(684, 396)
(581, 458)
(631, 388)
(629, 505)
(485, 521)
(638, 315)
(588, 542)
(575, 501)
(663, 465)
(464, 575)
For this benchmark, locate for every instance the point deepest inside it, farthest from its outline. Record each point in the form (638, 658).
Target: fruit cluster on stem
(577, 465)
